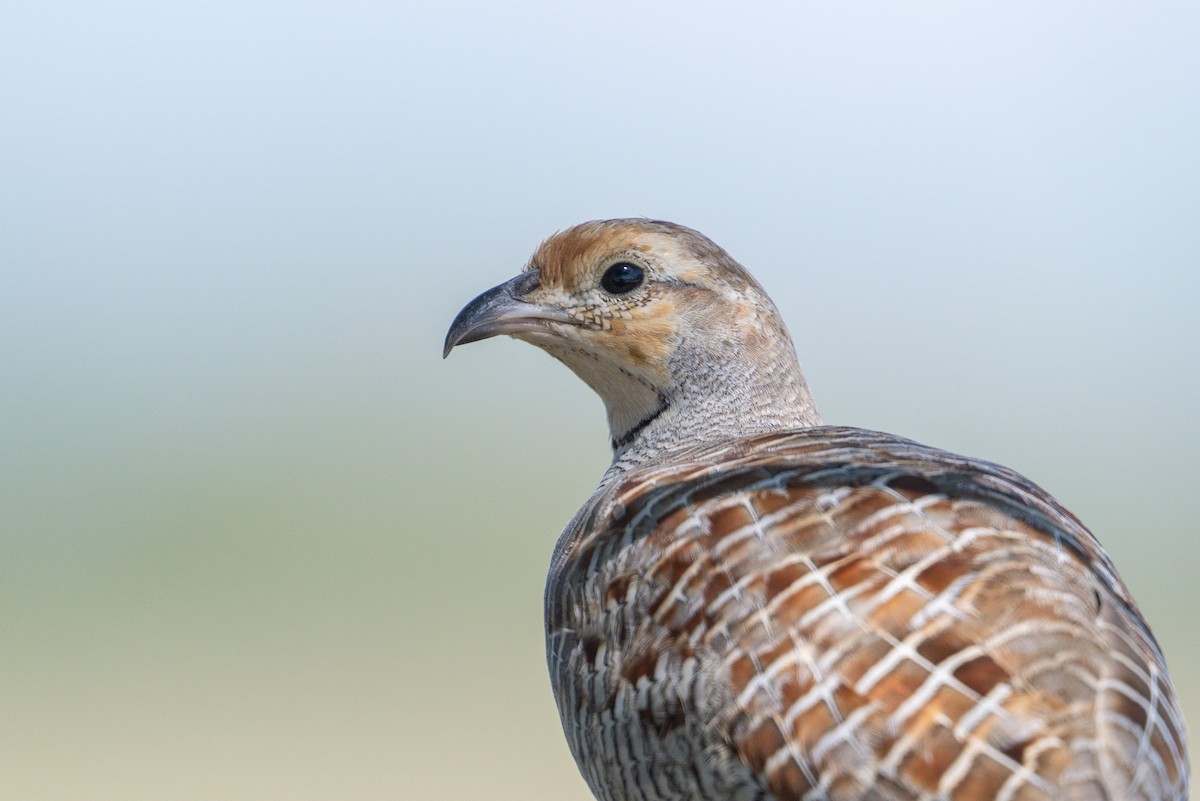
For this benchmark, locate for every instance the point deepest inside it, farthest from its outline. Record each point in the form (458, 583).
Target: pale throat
(703, 403)
(696, 397)
(631, 398)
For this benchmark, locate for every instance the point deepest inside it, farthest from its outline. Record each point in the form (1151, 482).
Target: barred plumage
(757, 606)
(837, 613)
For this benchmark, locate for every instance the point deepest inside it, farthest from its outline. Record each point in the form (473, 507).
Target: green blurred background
(257, 541)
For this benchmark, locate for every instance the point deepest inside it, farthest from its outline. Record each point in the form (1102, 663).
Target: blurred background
(257, 541)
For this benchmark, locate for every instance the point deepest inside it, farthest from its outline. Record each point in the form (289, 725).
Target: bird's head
(662, 323)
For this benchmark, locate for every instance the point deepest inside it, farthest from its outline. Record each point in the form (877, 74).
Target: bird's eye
(622, 277)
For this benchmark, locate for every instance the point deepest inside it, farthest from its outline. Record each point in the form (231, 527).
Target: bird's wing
(841, 614)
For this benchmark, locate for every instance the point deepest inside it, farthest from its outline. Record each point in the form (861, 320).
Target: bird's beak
(501, 310)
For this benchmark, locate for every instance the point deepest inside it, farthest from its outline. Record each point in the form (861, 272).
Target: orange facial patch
(567, 258)
(641, 337)
(647, 341)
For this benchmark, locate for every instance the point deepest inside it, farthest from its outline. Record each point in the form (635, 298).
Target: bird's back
(840, 614)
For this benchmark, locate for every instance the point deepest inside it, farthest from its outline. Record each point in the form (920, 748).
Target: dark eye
(622, 277)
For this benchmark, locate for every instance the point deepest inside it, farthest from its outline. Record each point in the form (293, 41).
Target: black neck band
(632, 433)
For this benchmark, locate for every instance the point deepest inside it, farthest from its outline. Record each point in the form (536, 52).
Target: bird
(754, 605)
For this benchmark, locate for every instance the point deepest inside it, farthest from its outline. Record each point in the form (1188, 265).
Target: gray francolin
(757, 606)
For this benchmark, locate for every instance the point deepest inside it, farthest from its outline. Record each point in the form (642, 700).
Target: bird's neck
(742, 395)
